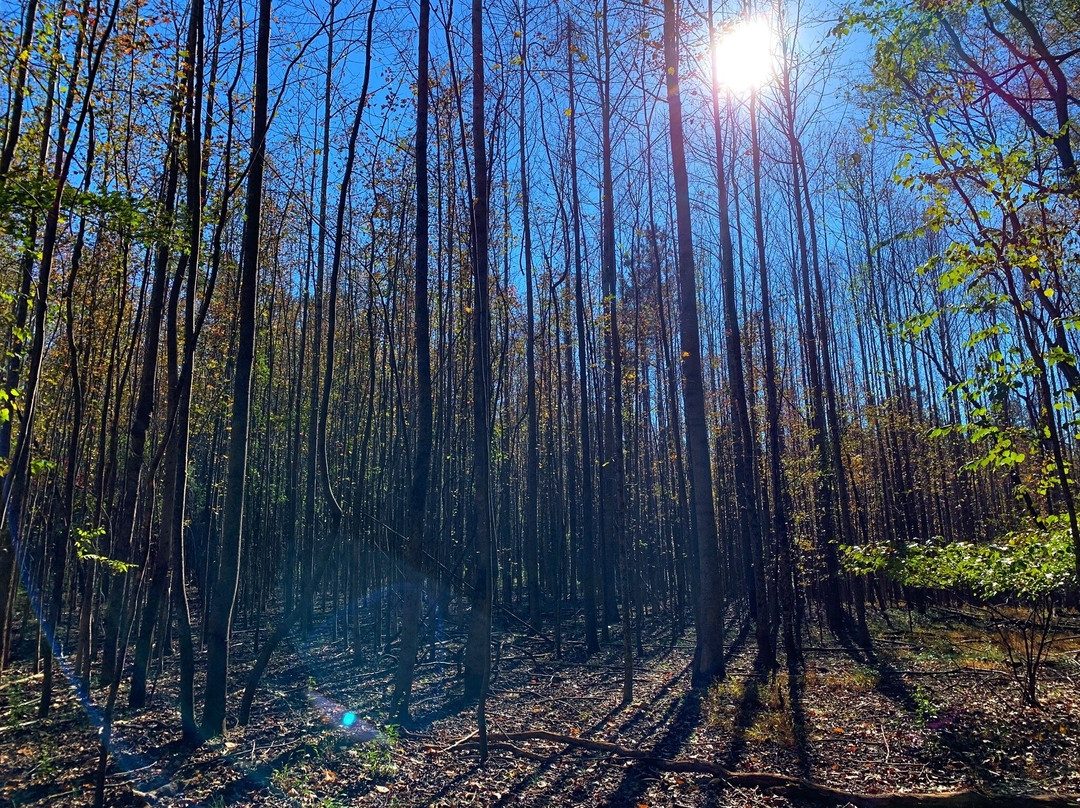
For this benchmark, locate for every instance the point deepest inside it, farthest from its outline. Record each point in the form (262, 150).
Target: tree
(709, 652)
(219, 616)
(478, 648)
(746, 486)
(774, 428)
(418, 493)
(588, 534)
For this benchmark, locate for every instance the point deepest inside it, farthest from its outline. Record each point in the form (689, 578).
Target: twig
(463, 742)
(517, 750)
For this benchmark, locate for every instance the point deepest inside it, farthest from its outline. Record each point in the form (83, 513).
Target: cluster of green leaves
(24, 194)
(1026, 564)
(86, 550)
(1002, 372)
(9, 400)
(1002, 441)
(925, 707)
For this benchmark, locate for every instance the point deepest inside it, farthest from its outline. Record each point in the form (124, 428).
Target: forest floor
(930, 706)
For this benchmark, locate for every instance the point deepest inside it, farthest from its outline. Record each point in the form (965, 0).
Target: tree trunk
(778, 498)
(418, 493)
(478, 648)
(219, 617)
(588, 536)
(709, 651)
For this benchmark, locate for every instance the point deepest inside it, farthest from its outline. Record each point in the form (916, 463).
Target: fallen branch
(778, 784)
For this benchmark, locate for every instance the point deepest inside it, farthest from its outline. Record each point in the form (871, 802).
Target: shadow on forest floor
(680, 720)
(901, 713)
(959, 734)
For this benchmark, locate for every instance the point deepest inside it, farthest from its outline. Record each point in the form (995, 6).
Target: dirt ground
(931, 705)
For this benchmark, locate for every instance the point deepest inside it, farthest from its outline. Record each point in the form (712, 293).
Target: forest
(635, 403)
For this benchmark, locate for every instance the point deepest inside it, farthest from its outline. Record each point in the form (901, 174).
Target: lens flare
(744, 56)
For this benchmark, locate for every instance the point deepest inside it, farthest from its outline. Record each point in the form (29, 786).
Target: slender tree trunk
(532, 458)
(613, 401)
(219, 617)
(746, 492)
(478, 649)
(307, 550)
(174, 518)
(160, 556)
(418, 493)
(588, 536)
(709, 652)
(64, 532)
(778, 497)
(18, 93)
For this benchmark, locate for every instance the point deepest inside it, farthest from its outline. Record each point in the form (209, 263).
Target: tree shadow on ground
(796, 682)
(680, 726)
(738, 643)
(747, 710)
(681, 719)
(955, 737)
(634, 719)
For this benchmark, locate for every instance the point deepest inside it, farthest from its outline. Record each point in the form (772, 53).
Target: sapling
(1018, 582)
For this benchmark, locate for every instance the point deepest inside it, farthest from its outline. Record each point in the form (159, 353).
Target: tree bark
(709, 650)
(219, 617)
(478, 648)
(418, 492)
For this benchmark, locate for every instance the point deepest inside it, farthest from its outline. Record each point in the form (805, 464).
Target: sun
(744, 56)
